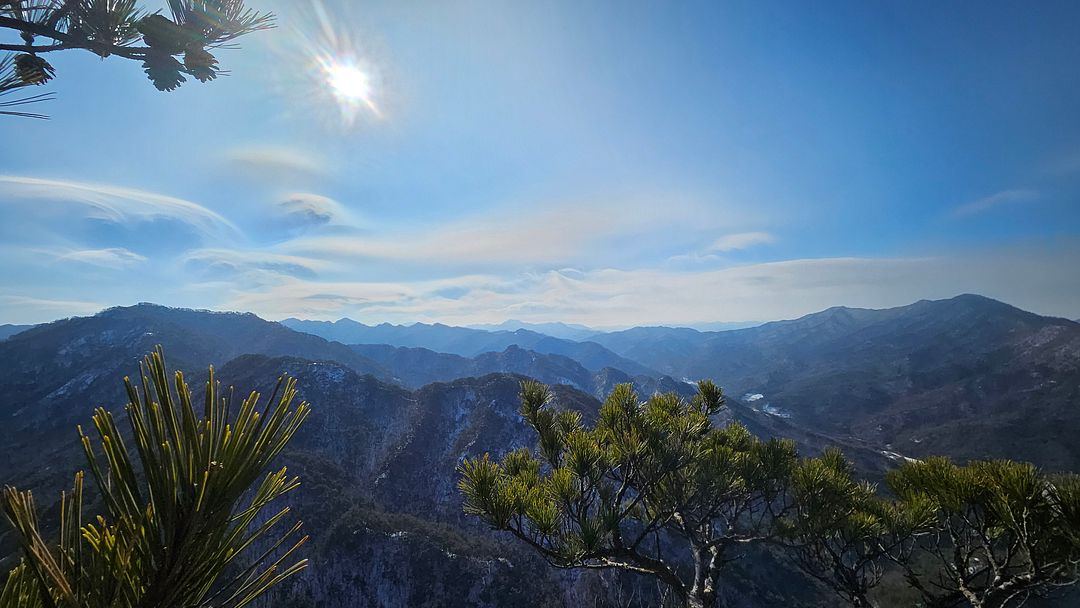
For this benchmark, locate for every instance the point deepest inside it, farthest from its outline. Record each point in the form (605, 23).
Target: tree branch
(28, 48)
(69, 41)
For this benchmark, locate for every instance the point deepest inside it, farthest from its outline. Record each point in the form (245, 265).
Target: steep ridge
(402, 445)
(54, 373)
(396, 533)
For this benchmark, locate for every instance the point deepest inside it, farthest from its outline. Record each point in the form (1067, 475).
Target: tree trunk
(706, 574)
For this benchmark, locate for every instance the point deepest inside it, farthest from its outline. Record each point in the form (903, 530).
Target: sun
(351, 84)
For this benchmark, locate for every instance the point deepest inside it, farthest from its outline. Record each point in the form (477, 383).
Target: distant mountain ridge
(7, 330)
(416, 367)
(466, 342)
(568, 331)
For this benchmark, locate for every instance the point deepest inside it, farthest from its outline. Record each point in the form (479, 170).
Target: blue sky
(610, 164)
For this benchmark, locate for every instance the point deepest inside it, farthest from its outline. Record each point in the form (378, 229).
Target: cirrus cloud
(109, 257)
(741, 240)
(551, 235)
(275, 162)
(241, 264)
(998, 199)
(1038, 279)
(111, 203)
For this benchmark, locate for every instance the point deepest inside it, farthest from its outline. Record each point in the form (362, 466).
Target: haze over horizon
(581, 164)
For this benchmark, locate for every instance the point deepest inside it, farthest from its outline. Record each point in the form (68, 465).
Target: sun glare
(351, 84)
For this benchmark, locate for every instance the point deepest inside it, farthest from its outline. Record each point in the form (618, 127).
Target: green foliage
(654, 486)
(647, 475)
(13, 78)
(171, 49)
(186, 505)
(1002, 531)
(842, 533)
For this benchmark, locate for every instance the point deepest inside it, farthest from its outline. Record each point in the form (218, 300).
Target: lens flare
(352, 85)
(330, 68)
(349, 82)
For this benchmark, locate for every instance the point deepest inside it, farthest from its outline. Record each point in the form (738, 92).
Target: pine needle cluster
(187, 498)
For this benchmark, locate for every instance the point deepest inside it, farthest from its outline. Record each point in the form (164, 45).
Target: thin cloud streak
(240, 265)
(115, 204)
(551, 235)
(740, 241)
(728, 243)
(109, 257)
(998, 199)
(27, 309)
(268, 161)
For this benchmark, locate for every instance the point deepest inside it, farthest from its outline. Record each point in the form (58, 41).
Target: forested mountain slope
(968, 376)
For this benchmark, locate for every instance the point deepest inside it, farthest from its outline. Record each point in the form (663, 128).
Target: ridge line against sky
(608, 165)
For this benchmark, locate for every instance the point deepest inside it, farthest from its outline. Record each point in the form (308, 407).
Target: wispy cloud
(545, 236)
(109, 257)
(232, 264)
(1042, 280)
(332, 300)
(740, 241)
(309, 209)
(28, 309)
(111, 203)
(998, 199)
(276, 162)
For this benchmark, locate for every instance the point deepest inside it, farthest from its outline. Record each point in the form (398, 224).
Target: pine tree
(1002, 532)
(843, 533)
(655, 488)
(649, 477)
(169, 49)
(185, 498)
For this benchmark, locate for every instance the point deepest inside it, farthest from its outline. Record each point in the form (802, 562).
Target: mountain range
(568, 331)
(397, 407)
(968, 376)
(416, 367)
(466, 342)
